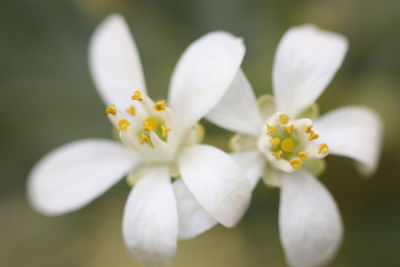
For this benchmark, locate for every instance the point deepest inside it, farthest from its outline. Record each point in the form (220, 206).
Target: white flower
(158, 143)
(280, 140)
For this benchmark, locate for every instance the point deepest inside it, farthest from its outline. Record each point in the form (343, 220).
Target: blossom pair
(182, 188)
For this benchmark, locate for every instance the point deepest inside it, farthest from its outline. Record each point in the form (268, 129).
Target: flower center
(151, 129)
(147, 127)
(138, 125)
(288, 144)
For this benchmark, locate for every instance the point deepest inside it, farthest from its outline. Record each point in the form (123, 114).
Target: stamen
(137, 96)
(131, 110)
(160, 105)
(288, 145)
(308, 129)
(164, 130)
(323, 149)
(296, 163)
(111, 110)
(277, 154)
(303, 156)
(275, 141)
(144, 139)
(123, 125)
(283, 118)
(270, 129)
(150, 124)
(312, 136)
(289, 129)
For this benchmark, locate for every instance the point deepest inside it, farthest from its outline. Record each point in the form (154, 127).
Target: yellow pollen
(144, 138)
(312, 136)
(123, 125)
(111, 110)
(303, 156)
(160, 105)
(277, 154)
(275, 141)
(288, 145)
(323, 149)
(137, 96)
(296, 163)
(308, 129)
(131, 110)
(164, 130)
(283, 118)
(150, 124)
(289, 129)
(270, 129)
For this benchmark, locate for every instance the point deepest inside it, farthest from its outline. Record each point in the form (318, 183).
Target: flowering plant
(157, 143)
(282, 140)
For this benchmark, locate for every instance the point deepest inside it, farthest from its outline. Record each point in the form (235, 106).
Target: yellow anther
(159, 105)
(131, 110)
(164, 130)
(308, 128)
(323, 149)
(144, 139)
(150, 124)
(277, 154)
(288, 145)
(270, 129)
(312, 136)
(275, 141)
(137, 96)
(283, 118)
(289, 129)
(303, 156)
(123, 125)
(111, 110)
(296, 163)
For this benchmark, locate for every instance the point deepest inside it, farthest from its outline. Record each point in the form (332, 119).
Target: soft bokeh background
(47, 99)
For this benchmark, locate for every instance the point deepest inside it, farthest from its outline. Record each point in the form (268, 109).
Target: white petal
(114, 63)
(305, 62)
(193, 219)
(203, 75)
(75, 174)
(353, 132)
(238, 109)
(216, 181)
(253, 163)
(150, 223)
(309, 221)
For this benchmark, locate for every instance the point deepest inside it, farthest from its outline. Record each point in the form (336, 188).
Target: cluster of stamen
(289, 142)
(153, 123)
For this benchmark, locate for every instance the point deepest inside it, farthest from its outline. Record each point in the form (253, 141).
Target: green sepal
(271, 177)
(266, 106)
(315, 166)
(241, 142)
(195, 135)
(312, 112)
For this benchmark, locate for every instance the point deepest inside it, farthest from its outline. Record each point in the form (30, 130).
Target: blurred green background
(48, 99)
